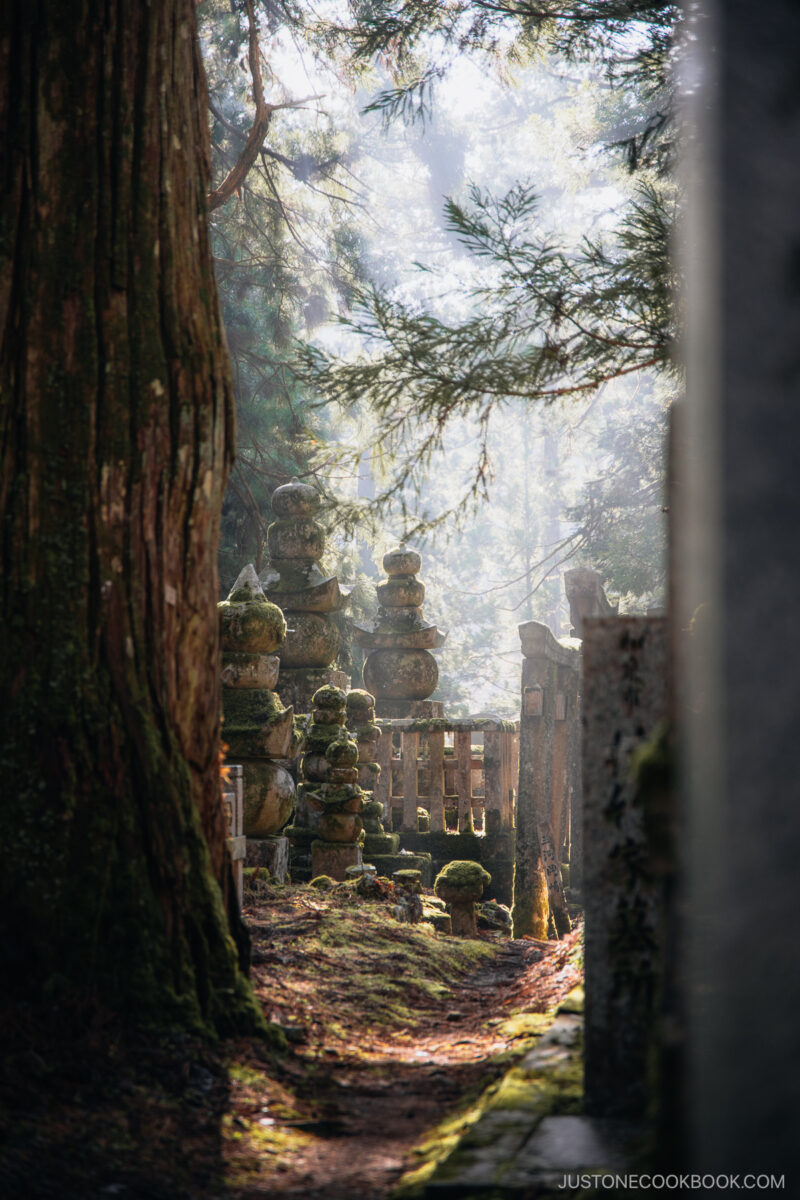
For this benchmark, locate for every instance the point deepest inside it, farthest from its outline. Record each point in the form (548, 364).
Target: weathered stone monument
(328, 829)
(296, 583)
(258, 730)
(400, 670)
(550, 675)
(361, 725)
(460, 884)
(626, 860)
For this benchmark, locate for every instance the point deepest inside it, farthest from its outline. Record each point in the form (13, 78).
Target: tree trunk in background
(116, 421)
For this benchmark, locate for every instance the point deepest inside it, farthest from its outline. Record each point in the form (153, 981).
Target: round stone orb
(343, 752)
(401, 562)
(268, 797)
(329, 696)
(401, 591)
(297, 538)
(295, 499)
(401, 674)
(313, 641)
(257, 627)
(359, 701)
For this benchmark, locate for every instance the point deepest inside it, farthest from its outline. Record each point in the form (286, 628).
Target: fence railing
(439, 765)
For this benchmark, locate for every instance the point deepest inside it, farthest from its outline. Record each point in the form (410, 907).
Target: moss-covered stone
(359, 701)
(295, 499)
(296, 538)
(312, 641)
(269, 795)
(256, 723)
(329, 696)
(401, 674)
(253, 627)
(463, 876)
(409, 878)
(342, 751)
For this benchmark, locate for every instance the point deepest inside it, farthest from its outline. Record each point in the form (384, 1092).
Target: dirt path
(360, 1089)
(390, 1028)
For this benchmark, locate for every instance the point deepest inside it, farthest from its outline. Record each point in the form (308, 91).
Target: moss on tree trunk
(116, 432)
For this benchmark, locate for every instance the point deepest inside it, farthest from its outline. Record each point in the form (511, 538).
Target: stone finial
(587, 597)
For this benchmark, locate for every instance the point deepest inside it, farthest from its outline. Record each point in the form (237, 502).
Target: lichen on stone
(463, 875)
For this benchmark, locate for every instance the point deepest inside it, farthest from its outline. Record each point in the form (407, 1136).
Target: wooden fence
(434, 764)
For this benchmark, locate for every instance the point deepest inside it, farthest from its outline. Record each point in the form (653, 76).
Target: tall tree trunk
(116, 422)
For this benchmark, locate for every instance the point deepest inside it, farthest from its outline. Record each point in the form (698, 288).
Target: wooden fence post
(410, 744)
(436, 789)
(463, 747)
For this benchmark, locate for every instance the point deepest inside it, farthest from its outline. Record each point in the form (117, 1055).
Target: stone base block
(269, 852)
(382, 843)
(297, 685)
(333, 858)
(387, 864)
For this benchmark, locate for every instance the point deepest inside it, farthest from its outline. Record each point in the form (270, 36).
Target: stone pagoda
(257, 728)
(399, 670)
(295, 582)
(327, 833)
(361, 725)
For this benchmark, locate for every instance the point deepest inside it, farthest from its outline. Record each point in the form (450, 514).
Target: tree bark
(116, 432)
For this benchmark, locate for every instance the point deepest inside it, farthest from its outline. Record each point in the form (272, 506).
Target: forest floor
(393, 1031)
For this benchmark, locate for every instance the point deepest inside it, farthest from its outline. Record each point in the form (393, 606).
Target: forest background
(441, 237)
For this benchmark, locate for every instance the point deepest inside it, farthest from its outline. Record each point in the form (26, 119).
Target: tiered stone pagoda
(361, 725)
(400, 671)
(257, 728)
(295, 582)
(328, 829)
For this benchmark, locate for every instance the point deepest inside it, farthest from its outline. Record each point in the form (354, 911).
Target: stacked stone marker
(400, 671)
(361, 724)
(294, 581)
(327, 832)
(625, 672)
(259, 731)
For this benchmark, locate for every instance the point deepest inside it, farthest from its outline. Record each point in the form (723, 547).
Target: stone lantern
(460, 884)
(296, 583)
(399, 670)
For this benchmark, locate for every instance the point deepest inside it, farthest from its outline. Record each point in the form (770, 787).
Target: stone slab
(269, 852)
(624, 700)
